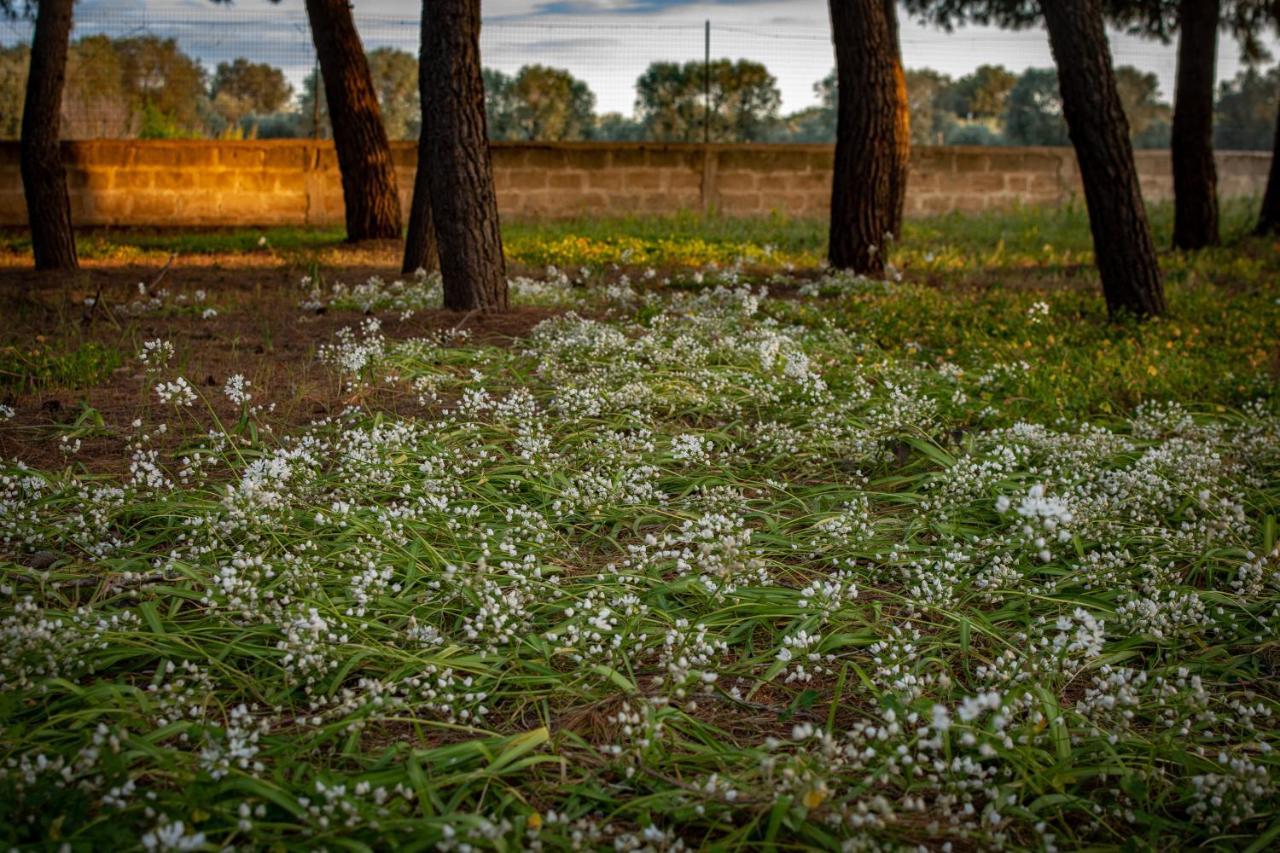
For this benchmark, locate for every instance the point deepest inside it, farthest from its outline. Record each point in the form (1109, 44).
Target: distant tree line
(146, 87)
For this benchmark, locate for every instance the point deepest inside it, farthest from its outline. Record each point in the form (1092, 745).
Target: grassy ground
(675, 563)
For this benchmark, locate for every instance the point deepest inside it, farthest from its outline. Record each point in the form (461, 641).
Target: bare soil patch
(260, 331)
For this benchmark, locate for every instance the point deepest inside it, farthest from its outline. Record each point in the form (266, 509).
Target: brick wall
(296, 182)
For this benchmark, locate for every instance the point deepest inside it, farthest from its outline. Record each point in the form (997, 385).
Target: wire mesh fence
(207, 70)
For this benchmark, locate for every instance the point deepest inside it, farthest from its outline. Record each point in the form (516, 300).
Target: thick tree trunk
(1269, 217)
(464, 204)
(1195, 177)
(1122, 244)
(872, 138)
(420, 243)
(44, 181)
(364, 154)
(902, 128)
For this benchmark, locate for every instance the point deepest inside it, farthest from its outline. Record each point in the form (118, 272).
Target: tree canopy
(744, 100)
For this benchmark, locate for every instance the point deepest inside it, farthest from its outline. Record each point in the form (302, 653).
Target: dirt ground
(260, 331)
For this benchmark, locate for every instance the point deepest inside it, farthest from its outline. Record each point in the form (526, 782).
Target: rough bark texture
(44, 181)
(364, 154)
(1122, 243)
(464, 203)
(902, 125)
(420, 242)
(1195, 177)
(870, 175)
(1269, 217)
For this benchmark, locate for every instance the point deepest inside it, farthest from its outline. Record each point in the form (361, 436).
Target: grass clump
(885, 567)
(41, 364)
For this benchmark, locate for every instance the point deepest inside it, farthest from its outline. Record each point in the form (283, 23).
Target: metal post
(706, 87)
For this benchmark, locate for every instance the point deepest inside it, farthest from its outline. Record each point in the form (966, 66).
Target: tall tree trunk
(420, 243)
(464, 203)
(872, 138)
(1269, 217)
(44, 181)
(1122, 244)
(902, 129)
(1195, 177)
(364, 154)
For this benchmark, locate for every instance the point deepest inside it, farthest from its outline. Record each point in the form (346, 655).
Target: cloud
(630, 7)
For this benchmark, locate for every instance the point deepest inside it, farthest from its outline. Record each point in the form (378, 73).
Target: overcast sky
(608, 43)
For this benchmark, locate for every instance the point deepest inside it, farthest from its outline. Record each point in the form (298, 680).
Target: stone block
(567, 180)
(643, 179)
(177, 180)
(683, 180)
(984, 182)
(741, 202)
(506, 156)
(295, 181)
(589, 158)
(285, 157)
(526, 179)
(605, 179)
(241, 156)
(628, 157)
(219, 180)
(967, 162)
(155, 154)
(133, 179)
(545, 157)
(737, 181)
(153, 207)
(673, 158)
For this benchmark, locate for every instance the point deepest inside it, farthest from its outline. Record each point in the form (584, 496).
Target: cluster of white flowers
(177, 393)
(156, 354)
(671, 521)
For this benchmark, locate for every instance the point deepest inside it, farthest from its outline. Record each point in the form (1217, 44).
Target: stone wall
(296, 182)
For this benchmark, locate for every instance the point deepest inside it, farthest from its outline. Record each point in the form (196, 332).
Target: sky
(608, 43)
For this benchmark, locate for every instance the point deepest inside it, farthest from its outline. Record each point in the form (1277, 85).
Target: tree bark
(902, 130)
(1195, 177)
(364, 154)
(1122, 243)
(420, 243)
(464, 204)
(872, 135)
(1269, 216)
(44, 181)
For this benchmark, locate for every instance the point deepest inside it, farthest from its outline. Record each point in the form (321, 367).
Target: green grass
(38, 365)
(874, 564)
(1032, 237)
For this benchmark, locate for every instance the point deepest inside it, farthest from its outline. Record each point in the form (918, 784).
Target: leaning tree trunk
(872, 137)
(420, 252)
(1122, 244)
(1269, 217)
(464, 204)
(364, 154)
(420, 243)
(1195, 177)
(44, 181)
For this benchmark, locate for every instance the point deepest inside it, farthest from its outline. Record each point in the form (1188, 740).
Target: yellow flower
(814, 797)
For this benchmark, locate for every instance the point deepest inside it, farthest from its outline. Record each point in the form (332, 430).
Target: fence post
(706, 85)
(708, 187)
